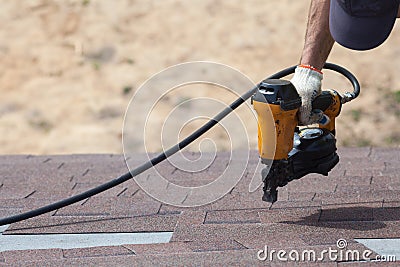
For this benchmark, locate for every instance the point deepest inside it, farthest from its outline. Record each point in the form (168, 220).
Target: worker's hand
(307, 81)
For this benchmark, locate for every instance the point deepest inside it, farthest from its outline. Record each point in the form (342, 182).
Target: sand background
(68, 69)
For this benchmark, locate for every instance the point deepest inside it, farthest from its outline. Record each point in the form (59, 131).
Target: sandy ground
(68, 70)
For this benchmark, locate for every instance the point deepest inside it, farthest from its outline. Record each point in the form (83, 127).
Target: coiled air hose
(162, 156)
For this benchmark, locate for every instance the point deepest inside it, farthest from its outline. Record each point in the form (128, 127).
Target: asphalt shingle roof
(359, 199)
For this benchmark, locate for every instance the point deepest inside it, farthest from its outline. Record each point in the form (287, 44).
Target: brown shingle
(33, 255)
(232, 216)
(96, 252)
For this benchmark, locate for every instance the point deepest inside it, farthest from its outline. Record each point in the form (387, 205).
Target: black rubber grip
(323, 101)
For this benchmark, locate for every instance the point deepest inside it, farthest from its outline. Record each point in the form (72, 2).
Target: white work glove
(307, 81)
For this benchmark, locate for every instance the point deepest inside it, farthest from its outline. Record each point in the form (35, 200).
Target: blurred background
(69, 68)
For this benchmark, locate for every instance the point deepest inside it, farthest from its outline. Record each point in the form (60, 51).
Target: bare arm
(318, 40)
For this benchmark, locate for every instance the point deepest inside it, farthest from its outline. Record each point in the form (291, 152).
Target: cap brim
(359, 33)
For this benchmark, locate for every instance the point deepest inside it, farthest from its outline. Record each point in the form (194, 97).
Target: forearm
(318, 40)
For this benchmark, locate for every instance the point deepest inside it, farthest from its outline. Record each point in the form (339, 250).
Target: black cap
(362, 24)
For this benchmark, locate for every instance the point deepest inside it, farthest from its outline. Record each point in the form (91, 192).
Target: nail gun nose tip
(270, 197)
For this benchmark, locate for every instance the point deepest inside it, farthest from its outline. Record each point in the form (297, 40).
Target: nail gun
(289, 151)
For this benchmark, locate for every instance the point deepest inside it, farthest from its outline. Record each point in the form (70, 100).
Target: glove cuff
(310, 67)
(305, 73)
